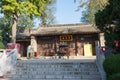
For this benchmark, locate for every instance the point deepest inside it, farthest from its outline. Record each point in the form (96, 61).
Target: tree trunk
(14, 28)
(43, 16)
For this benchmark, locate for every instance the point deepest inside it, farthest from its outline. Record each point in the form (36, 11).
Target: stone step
(54, 70)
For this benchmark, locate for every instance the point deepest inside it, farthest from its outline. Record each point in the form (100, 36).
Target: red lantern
(116, 43)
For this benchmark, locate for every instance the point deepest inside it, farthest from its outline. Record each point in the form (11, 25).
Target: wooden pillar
(55, 44)
(76, 39)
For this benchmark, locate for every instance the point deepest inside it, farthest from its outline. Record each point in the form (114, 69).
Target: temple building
(45, 40)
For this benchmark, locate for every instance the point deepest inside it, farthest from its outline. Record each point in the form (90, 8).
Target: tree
(5, 26)
(1, 43)
(91, 7)
(6, 23)
(108, 21)
(24, 22)
(47, 16)
(14, 8)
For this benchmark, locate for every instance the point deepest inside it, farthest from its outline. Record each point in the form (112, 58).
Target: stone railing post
(99, 60)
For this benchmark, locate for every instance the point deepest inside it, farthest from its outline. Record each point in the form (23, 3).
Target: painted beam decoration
(66, 38)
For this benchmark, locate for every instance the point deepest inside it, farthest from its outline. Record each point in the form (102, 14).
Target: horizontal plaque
(66, 38)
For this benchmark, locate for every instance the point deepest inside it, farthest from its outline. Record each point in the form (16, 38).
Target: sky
(66, 12)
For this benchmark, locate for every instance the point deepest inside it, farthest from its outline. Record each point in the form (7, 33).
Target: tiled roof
(59, 29)
(64, 29)
(24, 35)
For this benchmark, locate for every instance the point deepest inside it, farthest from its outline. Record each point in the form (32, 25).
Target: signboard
(66, 38)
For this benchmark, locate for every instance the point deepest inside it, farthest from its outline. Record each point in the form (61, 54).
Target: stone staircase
(54, 69)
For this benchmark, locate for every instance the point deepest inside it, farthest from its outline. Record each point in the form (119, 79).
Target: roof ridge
(58, 25)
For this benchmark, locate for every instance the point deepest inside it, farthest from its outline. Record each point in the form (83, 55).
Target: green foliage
(47, 16)
(2, 46)
(29, 7)
(0, 35)
(108, 21)
(32, 8)
(114, 77)
(6, 23)
(5, 27)
(14, 8)
(91, 7)
(24, 22)
(112, 65)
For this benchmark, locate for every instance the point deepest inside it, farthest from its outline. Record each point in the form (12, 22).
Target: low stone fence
(99, 61)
